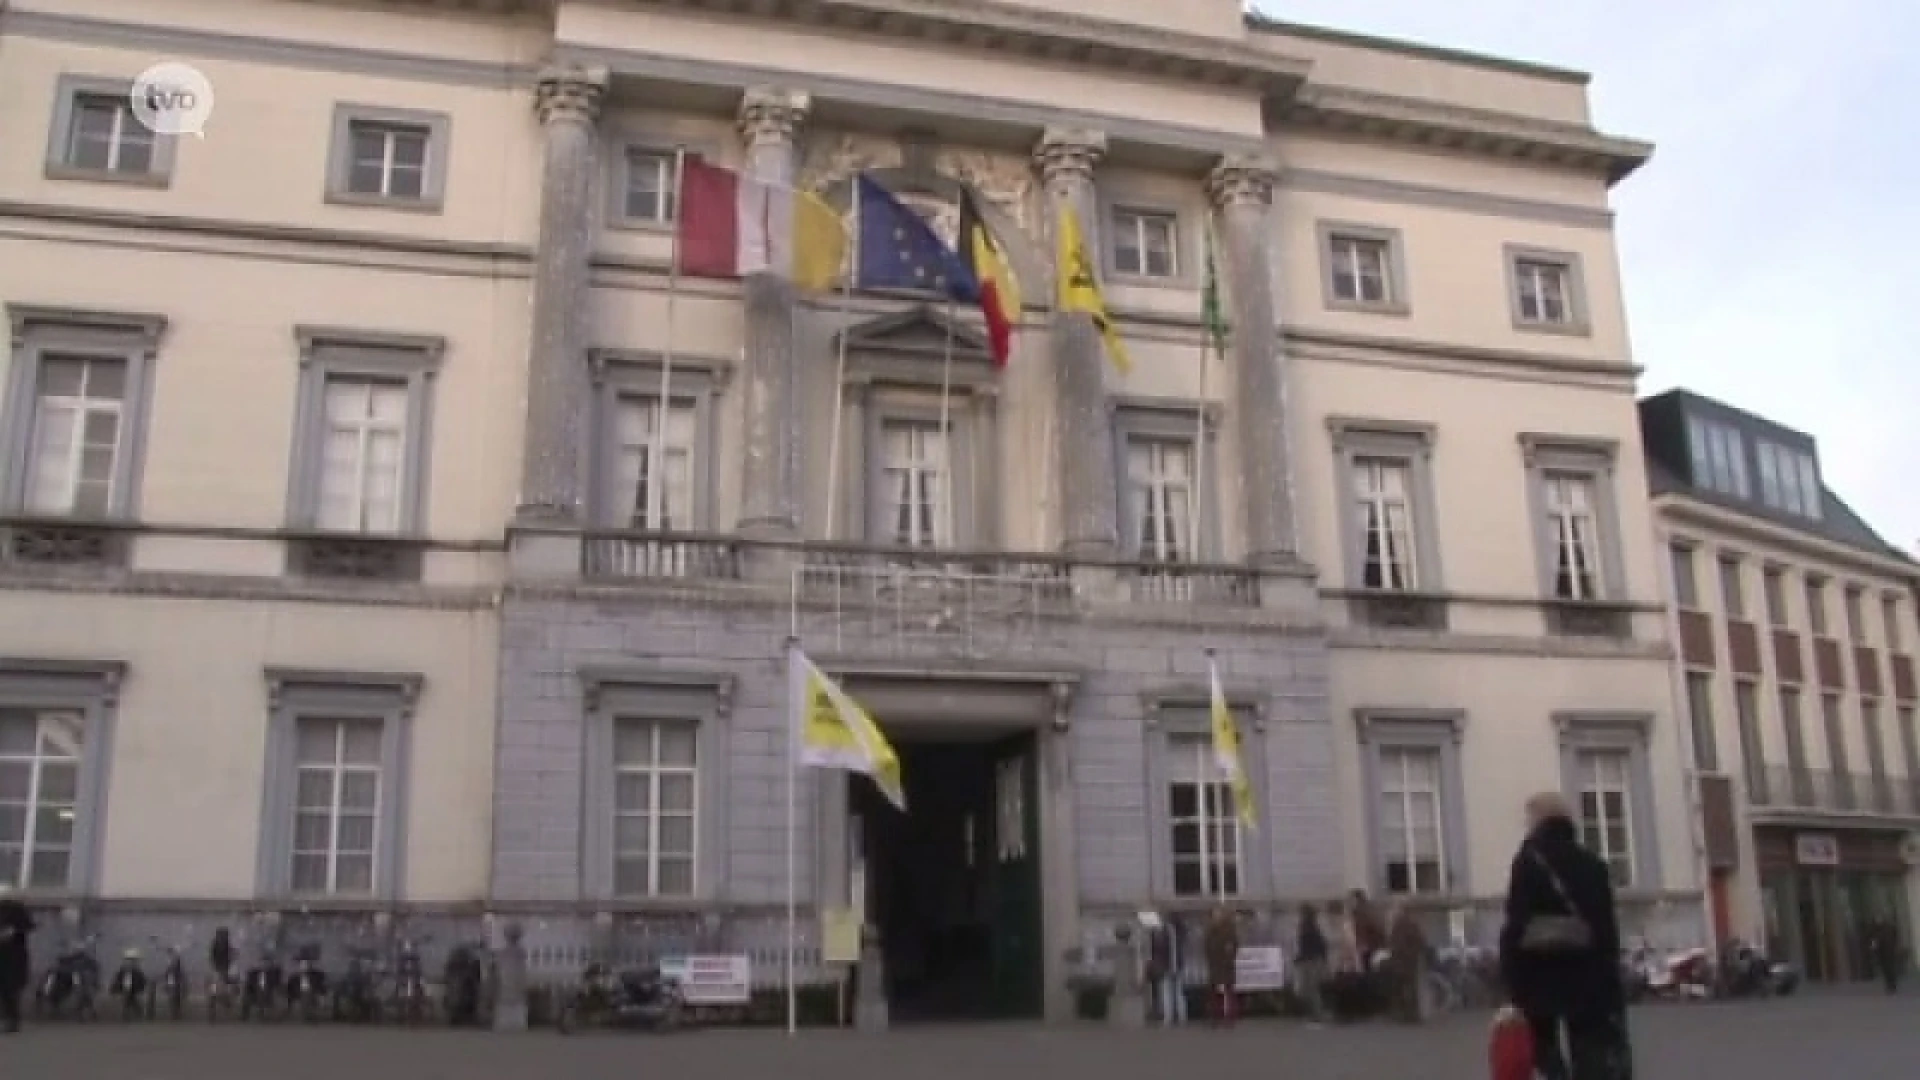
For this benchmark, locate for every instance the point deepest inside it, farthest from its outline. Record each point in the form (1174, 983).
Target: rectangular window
(1733, 596)
(41, 751)
(1207, 841)
(105, 136)
(1706, 750)
(1838, 760)
(1795, 731)
(1686, 588)
(1605, 779)
(913, 497)
(1545, 289)
(1775, 584)
(1719, 457)
(336, 810)
(1876, 740)
(1909, 726)
(656, 804)
(649, 194)
(1753, 748)
(1389, 556)
(648, 497)
(388, 160)
(1790, 481)
(78, 424)
(363, 464)
(1161, 495)
(1816, 607)
(1361, 269)
(1146, 243)
(1573, 527)
(1890, 614)
(1412, 830)
(1856, 617)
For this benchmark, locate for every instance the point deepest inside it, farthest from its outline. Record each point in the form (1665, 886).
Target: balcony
(1825, 791)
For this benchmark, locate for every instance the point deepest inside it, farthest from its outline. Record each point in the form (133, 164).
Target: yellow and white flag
(1080, 288)
(836, 733)
(1226, 749)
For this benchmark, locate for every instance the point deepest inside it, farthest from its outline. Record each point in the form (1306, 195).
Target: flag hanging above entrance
(836, 733)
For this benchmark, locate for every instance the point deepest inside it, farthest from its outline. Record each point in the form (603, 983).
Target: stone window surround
(1165, 419)
(1116, 195)
(391, 698)
(876, 397)
(330, 352)
(1183, 711)
(67, 93)
(1381, 728)
(627, 373)
(1399, 299)
(433, 188)
(1599, 459)
(1583, 730)
(91, 687)
(1357, 437)
(1579, 317)
(705, 699)
(37, 330)
(623, 142)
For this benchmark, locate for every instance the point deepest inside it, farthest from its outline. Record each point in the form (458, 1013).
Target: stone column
(1089, 503)
(1242, 188)
(769, 492)
(551, 476)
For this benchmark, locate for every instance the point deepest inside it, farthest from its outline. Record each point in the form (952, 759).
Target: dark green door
(1018, 932)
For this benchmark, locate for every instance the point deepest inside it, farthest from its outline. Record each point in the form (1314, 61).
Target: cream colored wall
(420, 31)
(1215, 18)
(1510, 747)
(184, 792)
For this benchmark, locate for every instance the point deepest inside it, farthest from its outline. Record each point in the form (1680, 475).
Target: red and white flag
(733, 225)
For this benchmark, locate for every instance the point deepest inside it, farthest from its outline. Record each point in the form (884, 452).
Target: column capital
(1243, 180)
(1069, 153)
(570, 93)
(770, 115)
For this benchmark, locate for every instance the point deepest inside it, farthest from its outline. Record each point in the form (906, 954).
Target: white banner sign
(1260, 969)
(712, 980)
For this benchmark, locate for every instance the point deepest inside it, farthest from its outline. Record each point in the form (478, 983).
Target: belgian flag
(984, 256)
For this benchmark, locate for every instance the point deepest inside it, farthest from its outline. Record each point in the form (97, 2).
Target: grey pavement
(1842, 1037)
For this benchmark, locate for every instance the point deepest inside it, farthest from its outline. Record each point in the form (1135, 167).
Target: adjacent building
(1796, 629)
(390, 532)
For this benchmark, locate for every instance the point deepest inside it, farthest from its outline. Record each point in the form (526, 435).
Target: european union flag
(899, 250)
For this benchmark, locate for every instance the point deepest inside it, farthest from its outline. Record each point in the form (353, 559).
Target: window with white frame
(1207, 843)
(914, 468)
(1605, 789)
(1753, 747)
(1789, 480)
(388, 159)
(1543, 291)
(1573, 530)
(1412, 830)
(650, 194)
(1146, 243)
(1856, 616)
(337, 793)
(1773, 581)
(1719, 457)
(78, 422)
(1361, 269)
(1384, 504)
(1733, 592)
(364, 457)
(1816, 607)
(1890, 615)
(649, 496)
(1160, 487)
(1706, 743)
(40, 758)
(656, 802)
(103, 135)
(1686, 584)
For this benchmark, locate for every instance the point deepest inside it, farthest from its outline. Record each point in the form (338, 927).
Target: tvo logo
(172, 99)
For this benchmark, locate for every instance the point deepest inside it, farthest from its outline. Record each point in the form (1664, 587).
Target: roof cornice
(1683, 510)
(1457, 127)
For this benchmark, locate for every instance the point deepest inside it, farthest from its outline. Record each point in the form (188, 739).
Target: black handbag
(1549, 933)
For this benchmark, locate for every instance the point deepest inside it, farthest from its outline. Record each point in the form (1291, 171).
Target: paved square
(1841, 1037)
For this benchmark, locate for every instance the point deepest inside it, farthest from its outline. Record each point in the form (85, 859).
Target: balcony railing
(1827, 791)
(1041, 580)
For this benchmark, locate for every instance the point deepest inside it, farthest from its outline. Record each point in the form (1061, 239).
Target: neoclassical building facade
(489, 531)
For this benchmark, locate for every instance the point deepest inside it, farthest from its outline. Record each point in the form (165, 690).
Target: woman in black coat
(15, 924)
(1560, 950)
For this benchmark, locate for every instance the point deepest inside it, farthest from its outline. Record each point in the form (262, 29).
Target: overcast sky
(1772, 247)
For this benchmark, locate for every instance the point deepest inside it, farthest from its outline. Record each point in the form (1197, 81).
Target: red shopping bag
(1510, 1047)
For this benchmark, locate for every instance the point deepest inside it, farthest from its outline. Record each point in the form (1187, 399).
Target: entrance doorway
(953, 885)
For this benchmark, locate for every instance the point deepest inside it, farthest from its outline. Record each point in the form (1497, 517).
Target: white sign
(725, 979)
(1816, 849)
(172, 98)
(1260, 969)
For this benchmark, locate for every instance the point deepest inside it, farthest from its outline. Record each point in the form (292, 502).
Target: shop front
(1822, 889)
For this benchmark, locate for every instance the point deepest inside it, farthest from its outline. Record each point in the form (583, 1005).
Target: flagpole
(656, 478)
(1216, 883)
(840, 365)
(1200, 412)
(794, 704)
(946, 430)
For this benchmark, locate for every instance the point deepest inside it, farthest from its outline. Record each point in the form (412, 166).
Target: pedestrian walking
(1888, 956)
(1221, 943)
(1406, 965)
(16, 923)
(1560, 950)
(1311, 956)
(1166, 961)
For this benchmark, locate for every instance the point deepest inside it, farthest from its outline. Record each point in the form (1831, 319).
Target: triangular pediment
(921, 333)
